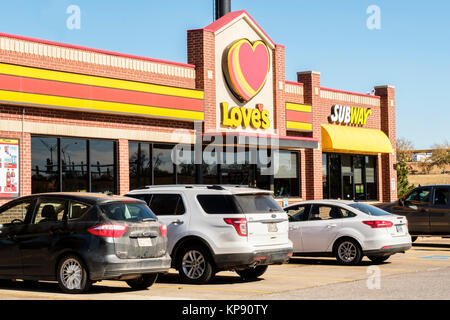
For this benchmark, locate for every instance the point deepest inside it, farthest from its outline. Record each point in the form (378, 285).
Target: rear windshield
(238, 204)
(121, 211)
(370, 210)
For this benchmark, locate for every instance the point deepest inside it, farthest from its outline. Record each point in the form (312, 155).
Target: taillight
(379, 224)
(108, 230)
(163, 229)
(240, 224)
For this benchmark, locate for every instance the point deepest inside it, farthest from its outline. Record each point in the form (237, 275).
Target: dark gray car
(79, 238)
(427, 209)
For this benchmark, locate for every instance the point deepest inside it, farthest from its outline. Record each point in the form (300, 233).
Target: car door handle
(178, 222)
(331, 226)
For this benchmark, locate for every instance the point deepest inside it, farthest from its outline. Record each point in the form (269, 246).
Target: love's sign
(246, 66)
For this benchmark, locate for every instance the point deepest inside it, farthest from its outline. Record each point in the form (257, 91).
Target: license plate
(272, 227)
(399, 229)
(144, 242)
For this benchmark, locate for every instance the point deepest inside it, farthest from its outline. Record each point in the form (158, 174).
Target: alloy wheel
(193, 264)
(71, 274)
(347, 251)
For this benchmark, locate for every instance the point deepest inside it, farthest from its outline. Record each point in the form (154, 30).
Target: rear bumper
(113, 267)
(388, 250)
(259, 257)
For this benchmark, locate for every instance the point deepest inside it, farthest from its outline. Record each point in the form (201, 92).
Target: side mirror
(401, 202)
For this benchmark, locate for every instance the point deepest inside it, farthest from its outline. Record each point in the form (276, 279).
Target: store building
(91, 120)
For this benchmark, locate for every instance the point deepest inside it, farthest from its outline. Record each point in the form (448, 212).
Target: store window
(44, 164)
(73, 165)
(349, 177)
(102, 165)
(163, 166)
(140, 165)
(286, 178)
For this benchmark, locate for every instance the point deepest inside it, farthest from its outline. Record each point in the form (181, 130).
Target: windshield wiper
(149, 219)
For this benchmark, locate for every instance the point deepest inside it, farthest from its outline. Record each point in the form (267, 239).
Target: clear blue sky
(411, 51)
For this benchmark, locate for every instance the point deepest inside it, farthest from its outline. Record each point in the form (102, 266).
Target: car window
(441, 196)
(51, 210)
(127, 211)
(77, 210)
(219, 204)
(167, 204)
(369, 209)
(325, 212)
(15, 213)
(298, 213)
(419, 196)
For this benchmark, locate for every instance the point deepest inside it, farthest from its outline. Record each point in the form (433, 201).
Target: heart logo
(246, 66)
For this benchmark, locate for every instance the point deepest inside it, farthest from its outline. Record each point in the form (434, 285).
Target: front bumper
(114, 268)
(245, 260)
(388, 250)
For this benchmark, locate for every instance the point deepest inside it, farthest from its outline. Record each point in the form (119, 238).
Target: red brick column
(313, 157)
(388, 126)
(201, 53)
(123, 167)
(279, 80)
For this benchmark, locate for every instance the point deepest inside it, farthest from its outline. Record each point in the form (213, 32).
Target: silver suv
(216, 228)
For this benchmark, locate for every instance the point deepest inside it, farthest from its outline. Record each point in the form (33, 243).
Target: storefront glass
(286, 179)
(102, 165)
(349, 177)
(163, 166)
(44, 164)
(73, 165)
(140, 164)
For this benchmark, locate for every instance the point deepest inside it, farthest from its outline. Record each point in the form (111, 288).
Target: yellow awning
(342, 139)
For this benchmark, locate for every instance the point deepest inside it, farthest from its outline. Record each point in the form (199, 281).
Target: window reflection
(44, 165)
(74, 165)
(102, 166)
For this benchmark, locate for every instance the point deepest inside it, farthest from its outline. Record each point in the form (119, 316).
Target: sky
(410, 48)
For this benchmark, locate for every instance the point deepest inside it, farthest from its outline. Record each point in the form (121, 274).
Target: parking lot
(422, 273)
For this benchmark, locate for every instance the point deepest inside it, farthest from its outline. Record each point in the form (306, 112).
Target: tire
(414, 238)
(348, 252)
(378, 259)
(144, 282)
(72, 275)
(252, 273)
(195, 265)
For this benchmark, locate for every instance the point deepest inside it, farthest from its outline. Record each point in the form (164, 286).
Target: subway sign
(349, 115)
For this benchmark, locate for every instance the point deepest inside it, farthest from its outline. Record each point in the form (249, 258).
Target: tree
(404, 155)
(440, 157)
(405, 149)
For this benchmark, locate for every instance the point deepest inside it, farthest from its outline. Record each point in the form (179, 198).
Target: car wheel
(195, 265)
(72, 275)
(143, 282)
(413, 239)
(252, 273)
(378, 259)
(348, 252)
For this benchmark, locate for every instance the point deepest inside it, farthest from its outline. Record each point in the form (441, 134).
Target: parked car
(427, 209)
(346, 230)
(79, 238)
(215, 228)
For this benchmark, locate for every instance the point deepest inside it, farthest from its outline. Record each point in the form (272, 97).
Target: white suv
(215, 228)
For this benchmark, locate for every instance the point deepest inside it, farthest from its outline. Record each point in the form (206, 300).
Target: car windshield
(128, 211)
(238, 204)
(370, 210)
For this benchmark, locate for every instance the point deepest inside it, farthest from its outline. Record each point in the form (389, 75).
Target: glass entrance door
(347, 186)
